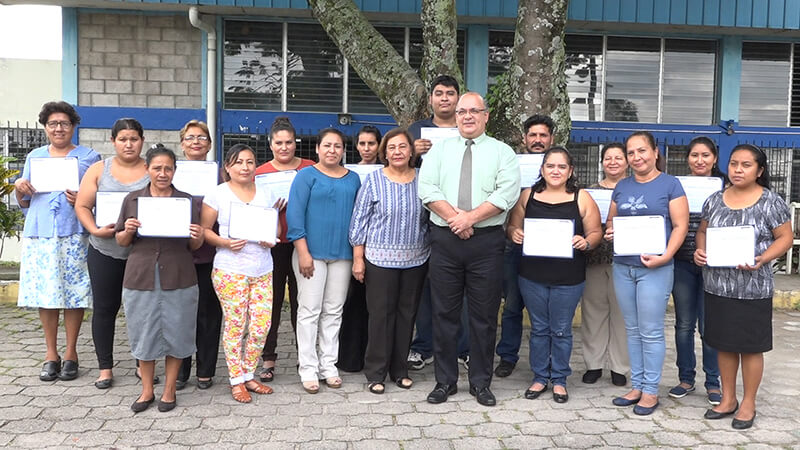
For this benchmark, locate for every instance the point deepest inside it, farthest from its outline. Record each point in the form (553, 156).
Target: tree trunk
(378, 64)
(439, 34)
(536, 80)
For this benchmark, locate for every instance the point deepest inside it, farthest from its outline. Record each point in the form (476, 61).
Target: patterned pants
(247, 308)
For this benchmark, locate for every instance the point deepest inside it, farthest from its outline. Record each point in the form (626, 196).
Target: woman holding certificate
(553, 269)
(687, 290)
(111, 178)
(389, 234)
(159, 289)
(319, 211)
(283, 143)
(652, 214)
(242, 273)
(53, 273)
(739, 284)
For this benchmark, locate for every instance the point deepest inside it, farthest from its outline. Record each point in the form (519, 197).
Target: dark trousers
(209, 321)
(473, 267)
(353, 331)
(106, 274)
(282, 274)
(392, 299)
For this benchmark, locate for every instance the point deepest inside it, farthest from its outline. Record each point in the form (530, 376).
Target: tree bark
(536, 80)
(378, 64)
(439, 34)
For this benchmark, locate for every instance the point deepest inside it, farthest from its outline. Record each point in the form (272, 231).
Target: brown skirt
(738, 326)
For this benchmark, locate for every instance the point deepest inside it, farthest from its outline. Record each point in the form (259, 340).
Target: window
(688, 85)
(584, 62)
(765, 84)
(632, 66)
(253, 65)
(315, 70)
(500, 45)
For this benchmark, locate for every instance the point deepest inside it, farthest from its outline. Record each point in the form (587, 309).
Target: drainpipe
(211, 76)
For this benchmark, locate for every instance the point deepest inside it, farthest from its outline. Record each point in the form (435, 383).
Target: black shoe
(138, 407)
(530, 394)
(504, 368)
(644, 410)
(50, 370)
(591, 376)
(440, 393)
(104, 383)
(166, 406)
(483, 395)
(180, 385)
(560, 398)
(69, 371)
(618, 379)
(714, 415)
(205, 384)
(743, 424)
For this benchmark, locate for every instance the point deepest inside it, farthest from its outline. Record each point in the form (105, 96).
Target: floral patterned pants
(247, 308)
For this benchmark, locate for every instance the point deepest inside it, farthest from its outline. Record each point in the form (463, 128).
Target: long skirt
(53, 273)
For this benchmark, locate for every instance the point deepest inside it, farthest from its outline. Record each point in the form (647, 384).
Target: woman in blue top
(53, 273)
(389, 233)
(643, 282)
(318, 215)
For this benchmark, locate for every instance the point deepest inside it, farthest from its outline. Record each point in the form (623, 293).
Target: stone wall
(100, 140)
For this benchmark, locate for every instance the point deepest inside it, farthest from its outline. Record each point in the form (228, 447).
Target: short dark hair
(761, 161)
(158, 150)
(282, 124)
(127, 124)
(394, 132)
(539, 119)
(445, 80)
(58, 107)
(233, 154)
(612, 145)
(370, 130)
(326, 131)
(572, 181)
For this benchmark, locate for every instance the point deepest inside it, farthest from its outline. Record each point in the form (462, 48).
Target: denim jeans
(550, 309)
(688, 297)
(511, 324)
(423, 340)
(643, 294)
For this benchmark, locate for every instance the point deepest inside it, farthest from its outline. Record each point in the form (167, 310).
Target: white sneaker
(416, 361)
(464, 361)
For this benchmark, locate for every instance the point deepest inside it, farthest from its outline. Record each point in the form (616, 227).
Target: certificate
(164, 216)
(197, 178)
(639, 235)
(730, 246)
(698, 189)
(362, 170)
(279, 183)
(55, 174)
(436, 134)
(529, 168)
(107, 206)
(253, 223)
(603, 199)
(551, 238)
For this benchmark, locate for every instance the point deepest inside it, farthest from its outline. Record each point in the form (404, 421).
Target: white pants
(320, 301)
(602, 328)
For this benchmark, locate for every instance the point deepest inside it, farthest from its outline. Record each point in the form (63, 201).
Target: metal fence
(18, 141)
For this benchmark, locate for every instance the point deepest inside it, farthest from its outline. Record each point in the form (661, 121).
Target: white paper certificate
(164, 216)
(197, 178)
(362, 170)
(603, 199)
(436, 134)
(529, 166)
(639, 235)
(107, 206)
(551, 238)
(698, 189)
(55, 174)
(279, 183)
(253, 223)
(730, 246)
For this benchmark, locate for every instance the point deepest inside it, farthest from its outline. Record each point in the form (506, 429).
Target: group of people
(429, 240)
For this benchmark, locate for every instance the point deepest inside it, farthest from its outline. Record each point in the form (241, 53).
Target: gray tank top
(107, 183)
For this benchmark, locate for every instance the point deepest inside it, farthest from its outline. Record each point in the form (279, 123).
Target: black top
(555, 271)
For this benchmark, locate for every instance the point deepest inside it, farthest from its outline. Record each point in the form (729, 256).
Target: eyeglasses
(192, 138)
(471, 111)
(53, 124)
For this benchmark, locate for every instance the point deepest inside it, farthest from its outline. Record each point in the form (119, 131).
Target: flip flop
(376, 388)
(266, 374)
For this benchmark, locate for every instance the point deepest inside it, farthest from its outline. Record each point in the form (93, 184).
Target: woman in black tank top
(551, 286)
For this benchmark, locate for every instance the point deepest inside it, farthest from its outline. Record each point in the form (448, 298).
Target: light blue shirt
(50, 214)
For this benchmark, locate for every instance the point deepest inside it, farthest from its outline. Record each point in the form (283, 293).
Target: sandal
(376, 388)
(266, 374)
(258, 388)
(240, 393)
(404, 383)
(312, 387)
(333, 382)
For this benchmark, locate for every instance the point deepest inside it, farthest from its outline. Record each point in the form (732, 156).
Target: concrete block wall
(99, 139)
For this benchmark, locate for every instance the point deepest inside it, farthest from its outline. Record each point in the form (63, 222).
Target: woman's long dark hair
(661, 163)
(572, 181)
(761, 161)
(233, 155)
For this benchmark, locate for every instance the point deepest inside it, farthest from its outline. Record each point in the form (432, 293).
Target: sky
(30, 32)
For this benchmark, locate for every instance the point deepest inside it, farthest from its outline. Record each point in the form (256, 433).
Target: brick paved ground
(75, 414)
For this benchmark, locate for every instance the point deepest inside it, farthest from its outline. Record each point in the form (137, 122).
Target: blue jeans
(550, 309)
(688, 297)
(423, 341)
(511, 324)
(642, 295)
